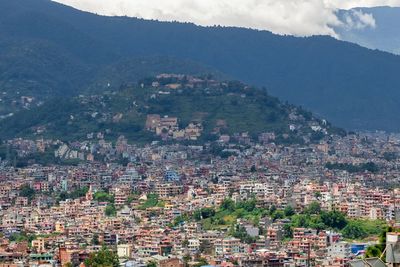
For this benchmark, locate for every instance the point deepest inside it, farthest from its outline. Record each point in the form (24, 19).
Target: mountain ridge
(351, 86)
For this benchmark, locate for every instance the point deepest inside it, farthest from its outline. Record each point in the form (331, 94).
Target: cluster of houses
(168, 128)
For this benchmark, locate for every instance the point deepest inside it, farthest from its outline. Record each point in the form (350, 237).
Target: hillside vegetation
(216, 108)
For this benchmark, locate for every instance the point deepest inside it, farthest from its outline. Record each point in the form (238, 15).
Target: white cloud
(356, 19)
(296, 17)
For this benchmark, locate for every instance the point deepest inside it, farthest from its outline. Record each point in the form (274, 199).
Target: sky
(293, 17)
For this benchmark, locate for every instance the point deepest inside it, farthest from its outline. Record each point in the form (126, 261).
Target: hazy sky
(297, 17)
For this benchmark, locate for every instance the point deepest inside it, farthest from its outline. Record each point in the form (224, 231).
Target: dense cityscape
(229, 202)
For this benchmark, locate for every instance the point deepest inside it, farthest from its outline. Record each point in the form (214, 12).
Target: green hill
(215, 107)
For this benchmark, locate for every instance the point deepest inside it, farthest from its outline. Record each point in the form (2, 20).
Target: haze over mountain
(49, 49)
(383, 35)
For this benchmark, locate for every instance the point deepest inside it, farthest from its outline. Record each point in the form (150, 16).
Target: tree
(80, 192)
(390, 156)
(313, 208)
(371, 167)
(279, 214)
(300, 220)
(110, 210)
(103, 197)
(354, 230)
(228, 204)
(289, 211)
(334, 219)
(253, 168)
(373, 252)
(152, 201)
(272, 209)
(27, 191)
(151, 264)
(95, 240)
(287, 231)
(203, 213)
(103, 258)
(20, 237)
(248, 205)
(180, 220)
